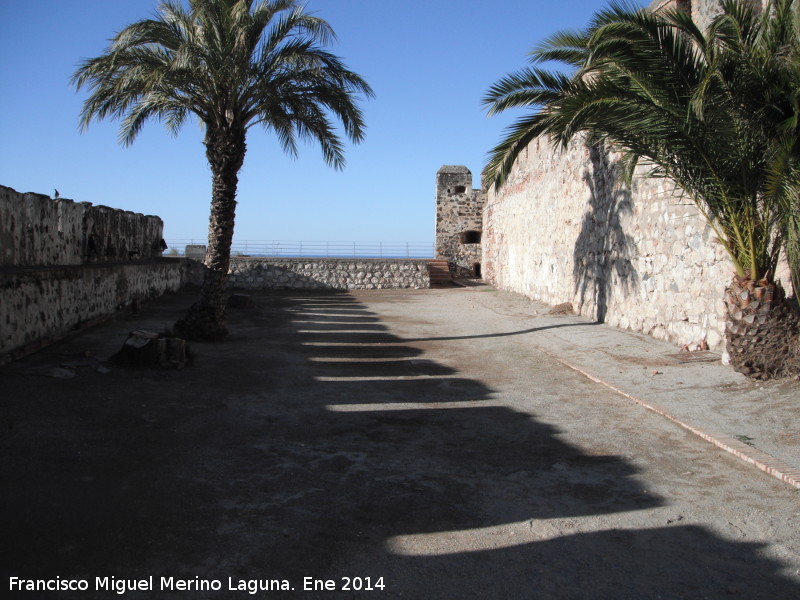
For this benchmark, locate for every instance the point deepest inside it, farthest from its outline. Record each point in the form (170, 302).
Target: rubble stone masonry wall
(566, 229)
(65, 264)
(323, 273)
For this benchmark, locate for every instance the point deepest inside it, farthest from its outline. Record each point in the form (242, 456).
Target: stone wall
(36, 231)
(38, 306)
(565, 229)
(66, 264)
(324, 273)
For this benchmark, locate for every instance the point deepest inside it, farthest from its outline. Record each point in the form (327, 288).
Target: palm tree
(714, 111)
(232, 64)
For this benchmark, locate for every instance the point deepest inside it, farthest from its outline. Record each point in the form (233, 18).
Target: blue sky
(429, 62)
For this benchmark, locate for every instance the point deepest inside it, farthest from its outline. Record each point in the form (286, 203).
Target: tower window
(471, 237)
(459, 189)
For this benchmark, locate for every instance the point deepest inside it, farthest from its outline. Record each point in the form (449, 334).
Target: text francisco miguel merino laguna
(174, 584)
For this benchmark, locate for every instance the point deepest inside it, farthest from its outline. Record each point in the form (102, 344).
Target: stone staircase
(439, 273)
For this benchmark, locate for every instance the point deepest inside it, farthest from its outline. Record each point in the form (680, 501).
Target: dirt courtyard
(418, 443)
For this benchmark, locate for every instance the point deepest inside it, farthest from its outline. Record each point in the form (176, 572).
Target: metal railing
(304, 249)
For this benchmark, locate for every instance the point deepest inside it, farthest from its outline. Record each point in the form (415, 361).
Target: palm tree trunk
(225, 150)
(763, 330)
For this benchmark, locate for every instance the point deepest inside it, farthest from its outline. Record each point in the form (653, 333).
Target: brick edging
(758, 458)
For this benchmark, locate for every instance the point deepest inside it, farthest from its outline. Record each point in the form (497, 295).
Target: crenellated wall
(66, 264)
(36, 230)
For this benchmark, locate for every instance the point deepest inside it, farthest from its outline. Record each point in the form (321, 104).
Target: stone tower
(459, 220)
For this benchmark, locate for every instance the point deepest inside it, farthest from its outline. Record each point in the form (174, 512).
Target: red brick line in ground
(766, 462)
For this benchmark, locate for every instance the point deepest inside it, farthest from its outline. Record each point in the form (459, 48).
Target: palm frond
(231, 63)
(705, 109)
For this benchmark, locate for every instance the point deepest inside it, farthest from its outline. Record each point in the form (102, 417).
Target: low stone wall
(40, 305)
(324, 273)
(566, 229)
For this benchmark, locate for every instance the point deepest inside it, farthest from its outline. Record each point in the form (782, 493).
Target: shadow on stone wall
(602, 258)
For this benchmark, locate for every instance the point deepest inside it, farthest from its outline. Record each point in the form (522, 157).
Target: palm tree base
(762, 331)
(202, 323)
